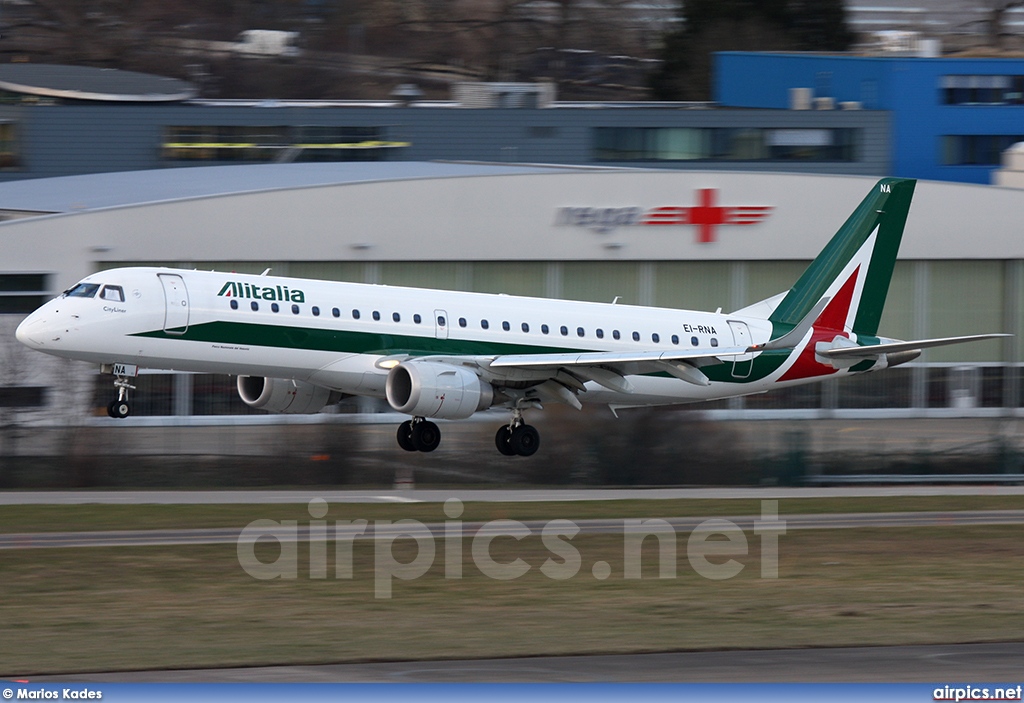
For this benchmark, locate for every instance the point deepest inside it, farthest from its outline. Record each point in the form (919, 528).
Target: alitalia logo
(233, 289)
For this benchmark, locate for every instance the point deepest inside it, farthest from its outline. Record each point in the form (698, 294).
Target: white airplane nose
(29, 330)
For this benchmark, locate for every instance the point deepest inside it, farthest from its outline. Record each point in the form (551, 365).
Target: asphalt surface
(941, 664)
(469, 496)
(301, 533)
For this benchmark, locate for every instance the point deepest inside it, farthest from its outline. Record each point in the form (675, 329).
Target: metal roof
(85, 83)
(105, 190)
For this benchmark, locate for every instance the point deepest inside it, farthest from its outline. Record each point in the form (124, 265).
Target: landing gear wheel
(502, 441)
(425, 436)
(119, 409)
(525, 440)
(405, 436)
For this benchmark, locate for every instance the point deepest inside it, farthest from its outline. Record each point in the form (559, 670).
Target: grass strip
(185, 607)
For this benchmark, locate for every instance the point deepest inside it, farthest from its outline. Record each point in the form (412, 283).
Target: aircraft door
(441, 323)
(741, 365)
(176, 307)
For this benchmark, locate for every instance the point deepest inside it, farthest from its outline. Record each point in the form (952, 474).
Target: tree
(708, 26)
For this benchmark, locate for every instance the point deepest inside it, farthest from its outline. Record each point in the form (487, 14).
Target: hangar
(646, 236)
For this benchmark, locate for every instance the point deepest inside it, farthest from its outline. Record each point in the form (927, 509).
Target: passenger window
(396, 317)
(275, 307)
(636, 336)
(254, 305)
(484, 324)
(441, 322)
(112, 293)
(580, 332)
(355, 313)
(337, 313)
(714, 342)
(544, 329)
(83, 290)
(675, 339)
(694, 342)
(316, 311)
(376, 315)
(564, 330)
(295, 309)
(417, 319)
(615, 334)
(462, 322)
(599, 332)
(234, 304)
(526, 327)
(656, 338)
(505, 326)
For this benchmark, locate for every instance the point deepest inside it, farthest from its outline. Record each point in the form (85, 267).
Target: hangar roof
(85, 83)
(106, 190)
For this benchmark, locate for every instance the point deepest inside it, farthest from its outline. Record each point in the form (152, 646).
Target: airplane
(300, 345)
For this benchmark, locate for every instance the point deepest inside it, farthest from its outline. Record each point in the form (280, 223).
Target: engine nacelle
(281, 395)
(432, 389)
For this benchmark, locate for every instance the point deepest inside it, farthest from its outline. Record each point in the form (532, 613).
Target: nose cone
(30, 330)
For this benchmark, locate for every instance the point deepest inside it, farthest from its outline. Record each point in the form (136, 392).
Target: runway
(373, 530)
(956, 663)
(258, 497)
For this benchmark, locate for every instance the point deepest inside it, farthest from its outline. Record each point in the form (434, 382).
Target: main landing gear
(517, 438)
(418, 435)
(514, 439)
(121, 408)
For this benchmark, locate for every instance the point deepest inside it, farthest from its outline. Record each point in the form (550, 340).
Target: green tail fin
(884, 208)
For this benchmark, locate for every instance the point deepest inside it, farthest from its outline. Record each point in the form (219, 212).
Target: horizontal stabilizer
(877, 349)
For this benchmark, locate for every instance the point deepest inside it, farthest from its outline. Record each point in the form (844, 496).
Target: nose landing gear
(121, 408)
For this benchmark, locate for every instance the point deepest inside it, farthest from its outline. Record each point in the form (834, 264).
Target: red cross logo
(706, 215)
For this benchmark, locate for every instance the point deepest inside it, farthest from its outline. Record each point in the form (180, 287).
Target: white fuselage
(341, 335)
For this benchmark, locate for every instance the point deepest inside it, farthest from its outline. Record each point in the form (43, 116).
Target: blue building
(950, 118)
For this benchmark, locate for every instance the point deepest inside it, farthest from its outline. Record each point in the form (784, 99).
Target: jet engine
(281, 395)
(432, 389)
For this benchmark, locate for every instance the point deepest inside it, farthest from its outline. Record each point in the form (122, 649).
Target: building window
(976, 149)
(725, 144)
(22, 396)
(265, 143)
(982, 90)
(23, 292)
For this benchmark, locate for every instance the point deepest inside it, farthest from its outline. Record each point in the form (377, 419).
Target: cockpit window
(82, 290)
(114, 293)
